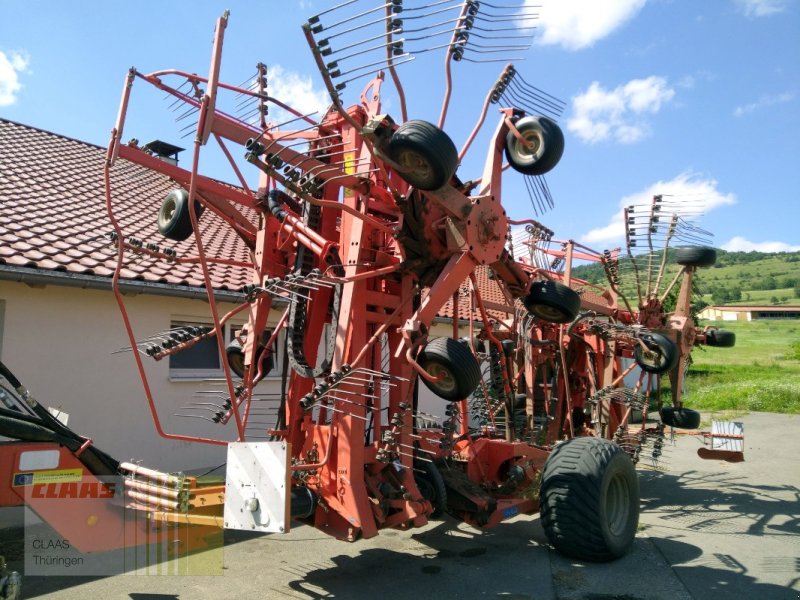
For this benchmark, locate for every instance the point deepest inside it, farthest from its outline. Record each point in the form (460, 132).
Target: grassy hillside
(736, 278)
(761, 373)
(760, 278)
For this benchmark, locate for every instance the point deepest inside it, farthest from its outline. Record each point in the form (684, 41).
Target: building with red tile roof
(60, 328)
(54, 225)
(59, 325)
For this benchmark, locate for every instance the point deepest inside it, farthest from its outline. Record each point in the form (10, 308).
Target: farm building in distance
(749, 313)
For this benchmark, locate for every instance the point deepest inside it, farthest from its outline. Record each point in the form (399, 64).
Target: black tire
(548, 140)
(431, 485)
(683, 418)
(552, 301)
(456, 362)
(589, 499)
(427, 153)
(235, 354)
(721, 338)
(174, 222)
(696, 256)
(661, 355)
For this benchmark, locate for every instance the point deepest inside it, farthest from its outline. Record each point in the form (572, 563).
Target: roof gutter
(39, 277)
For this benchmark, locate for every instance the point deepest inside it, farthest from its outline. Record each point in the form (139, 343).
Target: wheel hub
(415, 164)
(548, 313)
(447, 383)
(617, 507)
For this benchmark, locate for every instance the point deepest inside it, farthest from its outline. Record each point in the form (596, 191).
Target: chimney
(164, 151)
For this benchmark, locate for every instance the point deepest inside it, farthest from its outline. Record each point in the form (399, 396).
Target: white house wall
(60, 343)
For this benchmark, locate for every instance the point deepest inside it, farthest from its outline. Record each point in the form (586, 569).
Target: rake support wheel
(235, 354)
(545, 145)
(552, 301)
(455, 363)
(721, 338)
(426, 153)
(682, 418)
(590, 499)
(174, 222)
(661, 354)
(431, 485)
(696, 256)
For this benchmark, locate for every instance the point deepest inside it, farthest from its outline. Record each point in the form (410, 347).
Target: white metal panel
(257, 487)
(727, 435)
(35, 460)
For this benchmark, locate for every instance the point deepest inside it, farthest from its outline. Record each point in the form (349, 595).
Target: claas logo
(84, 489)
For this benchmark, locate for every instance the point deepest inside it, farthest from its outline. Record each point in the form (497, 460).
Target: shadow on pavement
(738, 523)
(722, 502)
(509, 562)
(730, 582)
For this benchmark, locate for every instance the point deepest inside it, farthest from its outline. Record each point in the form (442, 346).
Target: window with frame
(203, 361)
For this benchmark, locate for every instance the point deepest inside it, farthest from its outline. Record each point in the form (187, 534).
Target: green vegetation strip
(762, 373)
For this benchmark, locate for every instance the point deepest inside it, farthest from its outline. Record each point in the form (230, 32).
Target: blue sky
(695, 99)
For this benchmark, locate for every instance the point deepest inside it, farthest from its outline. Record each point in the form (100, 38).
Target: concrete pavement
(707, 530)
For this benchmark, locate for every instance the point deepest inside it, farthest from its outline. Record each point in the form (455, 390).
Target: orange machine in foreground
(361, 229)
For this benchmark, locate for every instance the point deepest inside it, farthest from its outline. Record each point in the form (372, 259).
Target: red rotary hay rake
(361, 231)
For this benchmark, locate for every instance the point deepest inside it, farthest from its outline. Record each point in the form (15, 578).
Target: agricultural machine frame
(360, 233)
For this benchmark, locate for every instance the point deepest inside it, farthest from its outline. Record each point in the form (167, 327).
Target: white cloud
(740, 244)
(761, 8)
(763, 102)
(688, 82)
(599, 114)
(688, 194)
(11, 65)
(576, 24)
(296, 91)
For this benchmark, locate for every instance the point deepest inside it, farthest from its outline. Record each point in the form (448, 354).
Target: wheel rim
(236, 361)
(548, 313)
(652, 358)
(534, 138)
(415, 166)
(617, 505)
(168, 211)
(447, 384)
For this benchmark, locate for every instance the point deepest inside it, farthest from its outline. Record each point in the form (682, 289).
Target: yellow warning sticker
(54, 476)
(350, 169)
(349, 162)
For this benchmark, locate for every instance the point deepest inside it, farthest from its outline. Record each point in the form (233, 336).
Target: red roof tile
(491, 295)
(53, 214)
(53, 218)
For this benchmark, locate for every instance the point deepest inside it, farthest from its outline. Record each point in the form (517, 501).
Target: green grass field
(761, 373)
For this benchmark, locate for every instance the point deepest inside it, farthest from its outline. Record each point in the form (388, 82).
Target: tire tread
(571, 509)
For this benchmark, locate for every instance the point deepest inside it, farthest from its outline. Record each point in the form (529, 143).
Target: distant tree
(774, 300)
(720, 296)
(797, 291)
(747, 296)
(769, 283)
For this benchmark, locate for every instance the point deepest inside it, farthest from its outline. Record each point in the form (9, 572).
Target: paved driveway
(708, 530)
